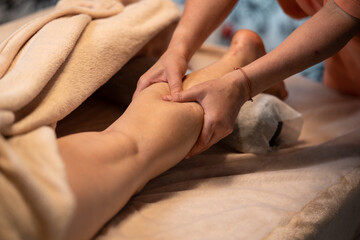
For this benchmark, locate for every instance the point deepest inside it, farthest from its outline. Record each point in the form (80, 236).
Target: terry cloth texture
(48, 67)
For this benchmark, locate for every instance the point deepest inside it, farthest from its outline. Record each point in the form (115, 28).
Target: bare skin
(192, 31)
(231, 99)
(106, 168)
(323, 35)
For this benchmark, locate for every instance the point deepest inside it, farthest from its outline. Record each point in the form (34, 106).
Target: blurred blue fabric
(13, 9)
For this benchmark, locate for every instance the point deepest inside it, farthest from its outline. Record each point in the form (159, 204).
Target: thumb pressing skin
(174, 74)
(184, 96)
(175, 85)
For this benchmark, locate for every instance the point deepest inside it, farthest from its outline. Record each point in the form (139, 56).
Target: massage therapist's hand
(221, 100)
(170, 68)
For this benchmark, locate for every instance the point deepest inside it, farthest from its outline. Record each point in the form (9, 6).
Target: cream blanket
(49, 67)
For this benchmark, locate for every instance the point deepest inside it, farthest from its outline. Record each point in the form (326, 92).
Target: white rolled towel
(264, 125)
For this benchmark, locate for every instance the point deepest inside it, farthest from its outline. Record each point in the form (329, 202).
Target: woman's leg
(245, 47)
(106, 168)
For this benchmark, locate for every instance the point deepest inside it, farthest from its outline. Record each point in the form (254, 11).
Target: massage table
(310, 190)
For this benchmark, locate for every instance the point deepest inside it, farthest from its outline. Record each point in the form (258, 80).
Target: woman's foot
(247, 46)
(278, 90)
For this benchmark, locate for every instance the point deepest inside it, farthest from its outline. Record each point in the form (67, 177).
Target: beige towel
(36, 202)
(48, 67)
(103, 48)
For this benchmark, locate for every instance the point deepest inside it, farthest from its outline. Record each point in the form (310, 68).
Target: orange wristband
(247, 80)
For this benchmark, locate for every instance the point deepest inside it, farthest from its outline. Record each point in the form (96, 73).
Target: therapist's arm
(200, 18)
(320, 37)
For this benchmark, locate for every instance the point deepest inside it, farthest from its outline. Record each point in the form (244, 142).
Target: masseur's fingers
(153, 75)
(212, 130)
(141, 85)
(174, 78)
(174, 74)
(170, 68)
(205, 139)
(190, 95)
(221, 100)
(194, 95)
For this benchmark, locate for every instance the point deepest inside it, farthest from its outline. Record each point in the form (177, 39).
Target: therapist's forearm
(199, 20)
(320, 37)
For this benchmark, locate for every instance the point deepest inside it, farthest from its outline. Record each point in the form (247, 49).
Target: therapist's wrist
(244, 85)
(245, 82)
(183, 44)
(180, 51)
(238, 84)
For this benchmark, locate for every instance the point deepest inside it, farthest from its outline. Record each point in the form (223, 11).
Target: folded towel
(47, 68)
(36, 201)
(94, 9)
(56, 85)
